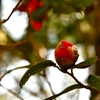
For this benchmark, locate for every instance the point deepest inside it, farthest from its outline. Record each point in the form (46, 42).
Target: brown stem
(85, 86)
(14, 44)
(45, 77)
(16, 95)
(72, 75)
(13, 70)
(4, 20)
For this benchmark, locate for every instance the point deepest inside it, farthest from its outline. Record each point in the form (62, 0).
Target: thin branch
(85, 86)
(50, 86)
(16, 95)
(45, 77)
(4, 20)
(14, 44)
(72, 75)
(13, 70)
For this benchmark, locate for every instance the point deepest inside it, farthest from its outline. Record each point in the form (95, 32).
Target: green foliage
(72, 20)
(39, 14)
(70, 88)
(34, 70)
(94, 81)
(86, 63)
(55, 0)
(80, 4)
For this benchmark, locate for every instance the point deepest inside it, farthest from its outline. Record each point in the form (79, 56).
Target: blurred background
(31, 34)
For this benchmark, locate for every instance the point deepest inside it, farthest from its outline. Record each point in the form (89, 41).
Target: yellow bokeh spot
(3, 37)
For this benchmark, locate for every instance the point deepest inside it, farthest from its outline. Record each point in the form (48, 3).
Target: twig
(16, 95)
(50, 86)
(45, 77)
(85, 86)
(4, 20)
(72, 75)
(14, 44)
(13, 70)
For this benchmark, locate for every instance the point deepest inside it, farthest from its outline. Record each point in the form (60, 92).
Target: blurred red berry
(36, 25)
(66, 54)
(22, 7)
(31, 7)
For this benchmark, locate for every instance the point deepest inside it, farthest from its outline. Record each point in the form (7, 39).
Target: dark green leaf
(34, 70)
(86, 63)
(56, 0)
(82, 3)
(39, 14)
(72, 87)
(94, 81)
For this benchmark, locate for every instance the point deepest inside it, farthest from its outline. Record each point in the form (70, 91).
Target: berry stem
(72, 75)
(85, 86)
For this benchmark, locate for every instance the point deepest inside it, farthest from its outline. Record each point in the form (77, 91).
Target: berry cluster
(31, 6)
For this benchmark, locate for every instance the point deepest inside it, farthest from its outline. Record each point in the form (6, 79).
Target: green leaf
(72, 87)
(82, 3)
(94, 81)
(86, 63)
(34, 70)
(57, 0)
(39, 14)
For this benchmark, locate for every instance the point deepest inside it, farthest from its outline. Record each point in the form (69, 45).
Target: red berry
(22, 7)
(31, 6)
(66, 54)
(36, 25)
